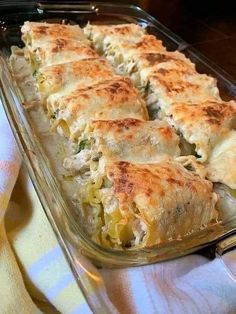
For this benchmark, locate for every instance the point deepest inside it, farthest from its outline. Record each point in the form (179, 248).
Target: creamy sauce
(61, 148)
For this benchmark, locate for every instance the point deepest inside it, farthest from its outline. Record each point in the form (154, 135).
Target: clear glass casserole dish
(42, 166)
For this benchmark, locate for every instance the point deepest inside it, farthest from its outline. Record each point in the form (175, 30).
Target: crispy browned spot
(147, 41)
(162, 192)
(175, 181)
(153, 58)
(175, 85)
(118, 125)
(129, 137)
(123, 30)
(217, 113)
(166, 132)
(213, 112)
(162, 72)
(71, 45)
(85, 96)
(75, 108)
(123, 185)
(42, 30)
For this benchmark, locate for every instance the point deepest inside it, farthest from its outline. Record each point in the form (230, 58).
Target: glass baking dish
(44, 174)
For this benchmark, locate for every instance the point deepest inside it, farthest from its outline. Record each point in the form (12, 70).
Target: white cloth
(191, 284)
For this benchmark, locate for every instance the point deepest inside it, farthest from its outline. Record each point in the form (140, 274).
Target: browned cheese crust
(108, 93)
(204, 124)
(125, 30)
(147, 43)
(169, 199)
(175, 60)
(41, 32)
(61, 44)
(83, 72)
(135, 140)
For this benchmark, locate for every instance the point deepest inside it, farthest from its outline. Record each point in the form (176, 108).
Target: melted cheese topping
(103, 35)
(60, 51)
(134, 140)
(221, 165)
(173, 86)
(65, 77)
(132, 193)
(35, 34)
(147, 204)
(127, 139)
(109, 100)
(150, 62)
(204, 124)
(119, 51)
(163, 77)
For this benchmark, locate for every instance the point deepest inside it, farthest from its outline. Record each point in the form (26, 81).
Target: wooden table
(209, 25)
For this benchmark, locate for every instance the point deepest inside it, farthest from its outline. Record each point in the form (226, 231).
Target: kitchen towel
(32, 266)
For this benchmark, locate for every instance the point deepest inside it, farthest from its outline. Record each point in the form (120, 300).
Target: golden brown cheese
(221, 165)
(103, 35)
(112, 99)
(147, 43)
(163, 77)
(174, 59)
(59, 51)
(119, 51)
(64, 78)
(148, 204)
(127, 139)
(167, 86)
(35, 34)
(203, 124)
(152, 62)
(134, 140)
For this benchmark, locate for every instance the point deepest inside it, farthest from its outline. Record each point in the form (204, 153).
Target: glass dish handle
(65, 6)
(226, 245)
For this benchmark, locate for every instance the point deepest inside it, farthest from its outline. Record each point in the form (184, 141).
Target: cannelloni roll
(221, 165)
(64, 78)
(141, 205)
(127, 139)
(203, 124)
(119, 51)
(164, 86)
(36, 34)
(150, 62)
(59, 51)
(103, 35)
(112, 99)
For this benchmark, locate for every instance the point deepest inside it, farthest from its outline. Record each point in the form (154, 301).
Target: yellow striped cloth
(33, 269)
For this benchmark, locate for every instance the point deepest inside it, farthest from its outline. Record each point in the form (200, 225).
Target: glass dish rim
(130, 254)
